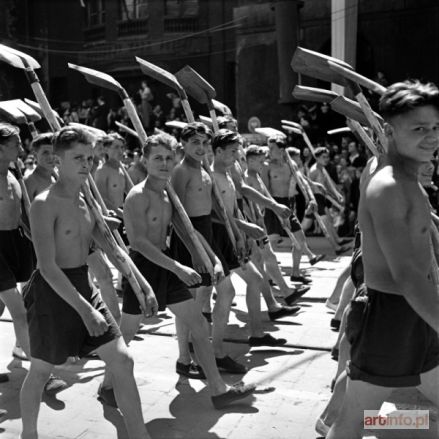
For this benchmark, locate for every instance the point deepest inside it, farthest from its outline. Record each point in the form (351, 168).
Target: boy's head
(294, 153)
(195, 138)
(10, 144)
(74, 147)
(322, 155)
(227, 123)
(255, 157)
(43, 149)
(225, 144)
(159, 155)
(411, 113)
(114, 146)
(277, 144)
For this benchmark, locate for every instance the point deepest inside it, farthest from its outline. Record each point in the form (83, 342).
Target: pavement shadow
(194, 416)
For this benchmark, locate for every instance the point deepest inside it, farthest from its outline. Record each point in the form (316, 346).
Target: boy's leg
(120, 364)
(359, 396)
(220, 317)
(254, 282)
(129, 325)
(273, 270)
(334, 298)
(14, 302)
(347, 293)
(30, 396)
(191, 316)
(100, 269)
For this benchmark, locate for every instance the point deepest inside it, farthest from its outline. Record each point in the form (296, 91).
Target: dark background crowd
(348, 157)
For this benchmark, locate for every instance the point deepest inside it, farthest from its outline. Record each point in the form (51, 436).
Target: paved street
(177, 408)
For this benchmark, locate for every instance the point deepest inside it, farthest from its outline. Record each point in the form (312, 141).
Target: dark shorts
(179, 252)
(390, 344)
(56, 331)
(168, 288)
(272, 222)
(122, 232)
(321, 204)
(17, 259)
(226, 253)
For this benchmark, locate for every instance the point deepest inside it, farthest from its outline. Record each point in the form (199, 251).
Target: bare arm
(102, 181)
(179, 181)
(389, 213)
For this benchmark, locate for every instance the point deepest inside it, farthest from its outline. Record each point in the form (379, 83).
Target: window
(95, 12)
(133, 9)
(181, 8)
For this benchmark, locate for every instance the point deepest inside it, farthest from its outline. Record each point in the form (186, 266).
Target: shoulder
(385, 194)
(137, 196)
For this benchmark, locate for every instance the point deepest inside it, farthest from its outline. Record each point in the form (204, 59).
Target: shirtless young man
(16, 256)
(321, 187)
(65, 313)
(148, 214)
(110, 178)
(278, 179)
(194, 188)
(137, 171)
(397, 344)
(267, 261)
(42, 176)
(225, 145)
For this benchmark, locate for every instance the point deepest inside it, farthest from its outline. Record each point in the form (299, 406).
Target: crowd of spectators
(347, 156)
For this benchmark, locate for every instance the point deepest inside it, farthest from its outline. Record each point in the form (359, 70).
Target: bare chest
(279, 175)
(10, 198)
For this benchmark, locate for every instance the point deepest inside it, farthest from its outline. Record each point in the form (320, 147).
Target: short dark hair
(402, 97)
(280, 141)
(293, 152)
(41, 139)
(195, 128)
(223, 138)
(254, 151)
(110, 138)
(7, 131)
(321, 150)
(162, 139)
(64, 139)
(224, 120)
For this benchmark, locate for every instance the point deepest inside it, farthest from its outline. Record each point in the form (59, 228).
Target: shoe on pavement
(335, 324)
(229, 365)
(283, 311)
(346, 241)
(266, 340)
(342, 250)
(106, 396)
(54, 385)
(315, 259)
(190, 370)
(18, 353)
(294, 297)
(3, 413)
(4, 377)
(235, 393)
(321, 428)
(301, 279)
